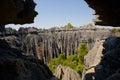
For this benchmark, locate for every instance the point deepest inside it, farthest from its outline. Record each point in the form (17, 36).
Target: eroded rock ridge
(47, 44)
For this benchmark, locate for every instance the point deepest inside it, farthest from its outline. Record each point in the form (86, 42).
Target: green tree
(82, 51)
(69, 25)
(90, 25)
(115, 30)
(74, 61)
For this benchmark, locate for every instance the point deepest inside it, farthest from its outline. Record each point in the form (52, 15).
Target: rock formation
(20, 11)
(47, 44)
(93, 58)
(15, 66)
(66, 73)
(108, 68)
(107, 12)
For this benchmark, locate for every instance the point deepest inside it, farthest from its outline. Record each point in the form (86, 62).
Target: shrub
(69, 25)
(73, 61)
(116, 30)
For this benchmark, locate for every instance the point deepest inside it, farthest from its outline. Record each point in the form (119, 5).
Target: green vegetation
(90, 25)
(115, 30)
(74, 61)
(69, 25)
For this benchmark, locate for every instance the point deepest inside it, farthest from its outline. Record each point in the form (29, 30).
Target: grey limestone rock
(47, 44)
(108, 67)
(16, 66)
(66, 73)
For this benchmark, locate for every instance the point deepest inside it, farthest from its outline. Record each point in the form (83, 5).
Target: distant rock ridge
(47, 44)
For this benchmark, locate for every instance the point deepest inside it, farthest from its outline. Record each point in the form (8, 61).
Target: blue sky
(52, 13)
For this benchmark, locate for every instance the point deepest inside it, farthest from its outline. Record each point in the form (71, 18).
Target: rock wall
(47, 44)
(92, 59)
(15, 66)
(68, 41)
(107, 67)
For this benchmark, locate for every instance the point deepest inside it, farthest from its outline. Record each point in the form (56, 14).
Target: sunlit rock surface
(66, 73)
(108, 68)
(93, 58)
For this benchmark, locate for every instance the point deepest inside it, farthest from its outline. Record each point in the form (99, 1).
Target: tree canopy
(69, 25)
(74, 61)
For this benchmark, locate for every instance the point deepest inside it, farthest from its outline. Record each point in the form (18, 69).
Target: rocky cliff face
(107, 66)
(47, 44)
(15, 66)
(66, 73)
(93, 58)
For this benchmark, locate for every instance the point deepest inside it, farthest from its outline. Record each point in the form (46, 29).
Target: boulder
(66, 73)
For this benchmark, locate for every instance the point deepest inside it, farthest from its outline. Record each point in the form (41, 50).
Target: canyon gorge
(49, 43)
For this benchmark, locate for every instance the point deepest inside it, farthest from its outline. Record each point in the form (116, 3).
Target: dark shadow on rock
(109, 65)
(16, 66)
(89, 76)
